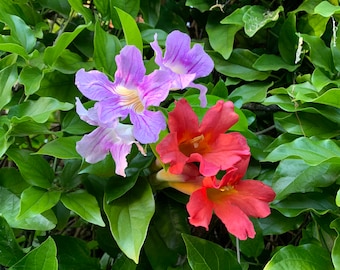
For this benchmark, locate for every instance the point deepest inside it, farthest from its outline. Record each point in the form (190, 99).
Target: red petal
(235, 220)
(200, 209)
(218, 119)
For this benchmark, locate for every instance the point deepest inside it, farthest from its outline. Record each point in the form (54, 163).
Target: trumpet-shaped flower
(115, 137)
(233, 200)
(184, 63)
(131, 94)
(206, 143)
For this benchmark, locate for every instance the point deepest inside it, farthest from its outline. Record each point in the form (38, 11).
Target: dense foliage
(277, 61)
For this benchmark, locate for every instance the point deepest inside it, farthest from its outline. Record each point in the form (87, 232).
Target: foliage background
(278, 61)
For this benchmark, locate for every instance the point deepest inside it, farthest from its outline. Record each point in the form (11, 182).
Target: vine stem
(238, 250)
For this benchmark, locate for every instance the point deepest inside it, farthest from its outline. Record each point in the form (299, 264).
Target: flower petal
(177, 46)
(200, 208)
(147, 126)
(90, 116)
(235, 220)
(201, 63)
(130, 67)
(94, 85)
(203, 93)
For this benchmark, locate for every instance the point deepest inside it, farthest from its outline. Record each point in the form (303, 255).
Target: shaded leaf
(63, 147)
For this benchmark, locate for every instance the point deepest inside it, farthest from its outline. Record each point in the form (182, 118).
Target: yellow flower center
(130, 98)
(219, 195)
(195, 145)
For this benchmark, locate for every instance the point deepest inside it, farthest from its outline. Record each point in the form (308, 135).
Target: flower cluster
(195, 153)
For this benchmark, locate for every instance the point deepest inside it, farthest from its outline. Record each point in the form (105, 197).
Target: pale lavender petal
(95, 145)
(203, 92)
(93, 84)
(181, 81)
(155, 88)
(111, 109)
(130, 67)
(198, 61)
(90, 116)
(158, 52)
(177, 46)
(147, 126)
(119, 152)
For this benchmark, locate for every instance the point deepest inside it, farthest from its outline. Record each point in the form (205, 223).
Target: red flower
(206, 142)
(233, 200)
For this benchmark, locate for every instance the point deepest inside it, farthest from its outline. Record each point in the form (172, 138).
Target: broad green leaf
(308, 256)
(203, 254)
(237, 16)
(42, 257)
(201, 5)
(294, 175)
(38, 110)
(253, 247)
(337, 198)
(78, 6)
(29, 128)
(130, 28)
(221, 36)
(239, 65)
(63, 148)
(30, 77)
(10, 251)
(331, 97)
(312, 24)
(106, 47)
(9, 45)
(288, 40)
(74, 253)
(51, 54)
(336, 247)
(69, 62)
(129, 217)
(9, 209)
(19, 30)
(320, 80)
(317, 45)
(118, 186)
(312, 151)
(268, 62)
(103, 168)
(123, 262)
(36, 200)
(34, 169)
(61, 6)
(72, 124)
(326, 9)
(295, 204)
(84, 204)
(5, 134)
(8, 77)
(151, 11)
(335, 48)
(70, 177)
(252, 92)
(256, 17)
(7, 174)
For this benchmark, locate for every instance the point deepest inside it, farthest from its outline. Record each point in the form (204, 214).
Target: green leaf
(5, 131)
(83, 204)
(312, 151)
(31, 78)
(268, 62)
(35, 200)
(294, 175)
(336, 247)
(221, 37)
(326, 9)
(17, 186)
(63, 148)
(252, 92)
(9, 209)
(203, 254)
(20, 31)
(34, 169)
(69, 62)
(103, 168)
(72, 124)
(61, 6)
(8, 77)
(240, 65)
(74, 253)
(51, 54)
(201, 5)
(10, 251)
(123, 262)
(295, 204)
(256, 17)
(130, 28)
(42, 257)
(134, 211)
(151, 11)
(77, 5)
(307, 256)
(37, 110)
(106, 47)
(288, 40)
(337, 198)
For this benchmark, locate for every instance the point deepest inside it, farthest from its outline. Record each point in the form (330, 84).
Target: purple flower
(131, 94)
(115, 137)
(186, 64)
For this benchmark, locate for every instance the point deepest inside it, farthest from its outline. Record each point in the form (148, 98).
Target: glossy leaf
(10, 251)
(38, 110)
(42, 257)
(30, 77)
(36, 201)
(268, 62)
(64, 148)
(130, 28)
(252, 92)
(203, 254)
(83, 204)
(34, 169)
(8, 77)
(336, 247)
(131, 211)
(307, 256)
